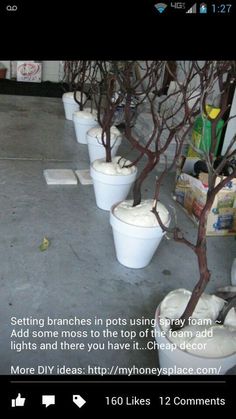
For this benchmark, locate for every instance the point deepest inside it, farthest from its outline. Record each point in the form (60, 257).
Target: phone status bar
(197, 8)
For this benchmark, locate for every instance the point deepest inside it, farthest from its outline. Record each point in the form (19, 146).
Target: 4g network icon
(177, 5)
(161, 7)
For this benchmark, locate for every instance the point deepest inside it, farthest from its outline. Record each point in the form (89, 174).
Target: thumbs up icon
(19, 401)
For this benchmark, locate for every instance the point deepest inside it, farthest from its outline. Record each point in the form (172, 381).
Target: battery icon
(203, 8)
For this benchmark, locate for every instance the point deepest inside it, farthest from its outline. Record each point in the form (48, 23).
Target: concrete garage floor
(78, 275)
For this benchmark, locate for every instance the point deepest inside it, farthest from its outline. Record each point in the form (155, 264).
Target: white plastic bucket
(110, 189)
(134, 245)
(70, 105)
(172, 360)
(83, 122)
(95, 147)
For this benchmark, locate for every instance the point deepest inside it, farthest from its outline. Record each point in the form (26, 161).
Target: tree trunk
(108, 154)
(138, 183)
(201, 253)
(108, 145)
(199, 287)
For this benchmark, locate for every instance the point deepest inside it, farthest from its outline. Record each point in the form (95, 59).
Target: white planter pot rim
(96, 134)
(84, 117)
(192, 357)
(97, 141)
(69, 97)
(118, 179)
(149, 232)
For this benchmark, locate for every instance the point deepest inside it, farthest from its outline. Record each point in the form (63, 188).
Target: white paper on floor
(84, 177)
(60, 177)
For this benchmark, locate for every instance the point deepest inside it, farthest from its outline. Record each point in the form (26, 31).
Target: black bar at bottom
(84, 394)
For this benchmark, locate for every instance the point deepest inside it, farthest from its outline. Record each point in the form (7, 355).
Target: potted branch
(197, 330)
(75, 73)
(104, 140)
(112, 176)
(136, 230)
(85, 118)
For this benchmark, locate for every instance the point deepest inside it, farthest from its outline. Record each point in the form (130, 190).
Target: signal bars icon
(160, 7)
(192, 9)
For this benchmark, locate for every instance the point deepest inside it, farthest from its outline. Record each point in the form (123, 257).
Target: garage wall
(51, 70)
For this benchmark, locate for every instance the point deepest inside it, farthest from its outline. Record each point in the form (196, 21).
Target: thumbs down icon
(19, 401)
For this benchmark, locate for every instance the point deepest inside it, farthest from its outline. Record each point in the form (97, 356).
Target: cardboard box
(191, 193)
(29, 71)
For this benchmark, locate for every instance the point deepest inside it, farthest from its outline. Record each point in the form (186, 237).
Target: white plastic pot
(172, 360)
(134, 245)
(110, 189)
(95, 147)
(83, 122)
(70, 105)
